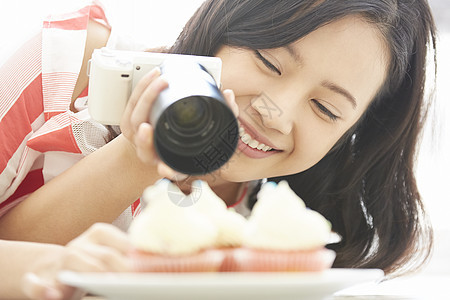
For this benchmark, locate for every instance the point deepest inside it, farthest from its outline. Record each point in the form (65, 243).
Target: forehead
(350, 52)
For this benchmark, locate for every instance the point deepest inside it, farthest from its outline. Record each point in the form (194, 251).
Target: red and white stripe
(36, 86)
(18, 73)
(21, 113)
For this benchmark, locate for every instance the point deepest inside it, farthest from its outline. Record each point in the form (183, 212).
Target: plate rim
(336, 276)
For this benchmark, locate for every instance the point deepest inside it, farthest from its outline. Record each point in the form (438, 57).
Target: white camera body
(113, 74)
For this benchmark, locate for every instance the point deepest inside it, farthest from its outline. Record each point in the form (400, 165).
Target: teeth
(253, 144)
(247, 139)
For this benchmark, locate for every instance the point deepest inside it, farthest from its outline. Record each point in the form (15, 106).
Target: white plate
(260, 286)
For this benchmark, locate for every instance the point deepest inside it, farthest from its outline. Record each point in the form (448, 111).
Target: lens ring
(189, 116)
(199, 130)
(202, 158)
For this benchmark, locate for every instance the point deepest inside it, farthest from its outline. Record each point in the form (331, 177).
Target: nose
(272, 115)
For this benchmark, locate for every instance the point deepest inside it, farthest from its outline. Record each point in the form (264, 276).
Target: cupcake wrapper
(206, 261)
(252, 260)
(228, 264)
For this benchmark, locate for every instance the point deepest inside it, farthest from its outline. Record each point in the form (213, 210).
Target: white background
(158, 22)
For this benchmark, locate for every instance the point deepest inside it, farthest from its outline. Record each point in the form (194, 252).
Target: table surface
(419, 287)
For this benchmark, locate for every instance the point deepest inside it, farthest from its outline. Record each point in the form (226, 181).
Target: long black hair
(365, 185)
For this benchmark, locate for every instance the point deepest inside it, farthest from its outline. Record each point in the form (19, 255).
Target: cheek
(315, 141)
(241, 84)
(313, 152)
(242, 76)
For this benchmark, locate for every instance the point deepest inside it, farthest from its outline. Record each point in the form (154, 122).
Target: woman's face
(299, 100)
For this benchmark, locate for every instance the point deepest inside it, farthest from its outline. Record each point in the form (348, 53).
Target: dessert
(283, 235)
(230, 225)
(170, 238)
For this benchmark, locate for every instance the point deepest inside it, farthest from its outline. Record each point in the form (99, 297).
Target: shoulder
(97, 37)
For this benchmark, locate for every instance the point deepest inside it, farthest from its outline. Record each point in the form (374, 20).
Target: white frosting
(208, 202)
(165, 228)
(280, 221)
(230, 225)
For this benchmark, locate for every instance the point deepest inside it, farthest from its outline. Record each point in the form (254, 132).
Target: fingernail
(52, 294)
(179, 177)
(155, 70)
(162, 83)
(230, 93)
(153, 73)
(143, 132)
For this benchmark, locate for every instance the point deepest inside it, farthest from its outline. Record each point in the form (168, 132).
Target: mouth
(251, 140)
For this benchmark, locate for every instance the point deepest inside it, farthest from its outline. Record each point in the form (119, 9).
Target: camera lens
(188, 114)
(195, 132)
(188, 133)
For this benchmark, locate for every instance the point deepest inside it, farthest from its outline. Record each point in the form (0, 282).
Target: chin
(237, 175)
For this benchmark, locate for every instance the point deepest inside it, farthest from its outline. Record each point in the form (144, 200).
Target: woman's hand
(135, 121)
(102, 248)
(135, 126)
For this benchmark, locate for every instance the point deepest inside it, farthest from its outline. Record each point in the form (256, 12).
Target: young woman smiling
(329, 96)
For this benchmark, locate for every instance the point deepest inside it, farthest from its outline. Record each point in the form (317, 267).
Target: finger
(141, 111)
(167, 172)
(140, 88)
(136, 94)
(144, 143)
(37, 288)
(101, 259)
(179, 177)
(106, 235)
(83, 259)
(71, 293)
(231, 101)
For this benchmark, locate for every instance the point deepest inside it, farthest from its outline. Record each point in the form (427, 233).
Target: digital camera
(195, 132)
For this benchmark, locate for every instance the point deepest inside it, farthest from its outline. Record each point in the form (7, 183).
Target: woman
(344, 81)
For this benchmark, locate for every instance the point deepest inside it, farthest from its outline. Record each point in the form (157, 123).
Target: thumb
(231, 101)
(36, 288)
(167, 172)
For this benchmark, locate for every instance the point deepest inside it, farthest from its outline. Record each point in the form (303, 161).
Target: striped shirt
(39, 135)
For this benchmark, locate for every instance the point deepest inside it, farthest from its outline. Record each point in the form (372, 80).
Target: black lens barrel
(195, 132)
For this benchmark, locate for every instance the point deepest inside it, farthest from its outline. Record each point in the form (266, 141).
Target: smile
(248, 140)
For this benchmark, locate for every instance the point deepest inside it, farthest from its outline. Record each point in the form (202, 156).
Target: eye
(267, 63)
(325, 110)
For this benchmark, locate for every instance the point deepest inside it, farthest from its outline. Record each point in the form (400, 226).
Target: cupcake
(283, 235)
(230, 225)
(170, 238)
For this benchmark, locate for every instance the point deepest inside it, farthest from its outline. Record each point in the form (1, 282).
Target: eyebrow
(327, 84)
(294, 54)
(340, 90)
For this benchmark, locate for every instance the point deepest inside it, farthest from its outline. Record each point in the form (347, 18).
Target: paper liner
(252, 260)
(205, 261)
(228, 264)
